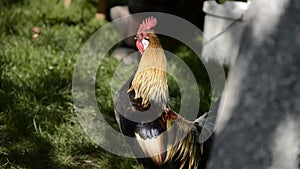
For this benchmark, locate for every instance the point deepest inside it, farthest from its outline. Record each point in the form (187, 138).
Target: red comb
(148, 23)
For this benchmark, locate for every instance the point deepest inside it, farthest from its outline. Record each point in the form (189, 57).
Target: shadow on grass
(30, 152)
(21, 144)
(10, 3)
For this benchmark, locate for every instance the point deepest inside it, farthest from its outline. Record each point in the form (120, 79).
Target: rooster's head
(145, 33)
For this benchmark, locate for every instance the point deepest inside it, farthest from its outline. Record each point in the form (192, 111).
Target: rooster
(143, 112)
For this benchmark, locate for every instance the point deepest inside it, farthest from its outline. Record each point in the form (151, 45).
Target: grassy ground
(38, 124)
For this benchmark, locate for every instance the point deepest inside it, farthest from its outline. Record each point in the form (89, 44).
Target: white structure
(223, 30)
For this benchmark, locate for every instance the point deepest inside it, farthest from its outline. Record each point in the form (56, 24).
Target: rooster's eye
(145, 43)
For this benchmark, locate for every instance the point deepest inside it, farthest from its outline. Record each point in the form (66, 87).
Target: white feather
(145, 43)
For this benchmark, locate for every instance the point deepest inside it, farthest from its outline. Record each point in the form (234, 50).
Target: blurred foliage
(38, 123)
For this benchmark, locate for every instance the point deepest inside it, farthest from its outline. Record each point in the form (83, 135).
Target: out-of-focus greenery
(38, 123)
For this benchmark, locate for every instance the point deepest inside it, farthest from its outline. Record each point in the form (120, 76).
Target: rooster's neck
(150, 80)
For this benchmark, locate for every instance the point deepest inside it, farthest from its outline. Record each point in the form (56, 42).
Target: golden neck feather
(150, 80)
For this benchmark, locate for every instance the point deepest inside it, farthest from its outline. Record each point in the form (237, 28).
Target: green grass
(38, 123)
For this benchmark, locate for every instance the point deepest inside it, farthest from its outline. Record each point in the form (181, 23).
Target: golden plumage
(150, 80)
(183, 145)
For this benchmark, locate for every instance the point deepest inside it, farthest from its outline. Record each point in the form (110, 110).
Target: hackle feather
(150, 80)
